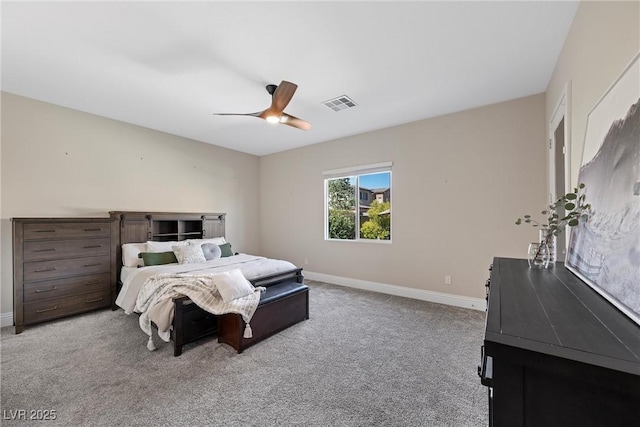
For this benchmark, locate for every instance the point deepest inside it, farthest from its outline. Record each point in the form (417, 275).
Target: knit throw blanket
(155, 302)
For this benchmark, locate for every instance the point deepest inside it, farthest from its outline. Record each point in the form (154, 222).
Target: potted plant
(576, 211)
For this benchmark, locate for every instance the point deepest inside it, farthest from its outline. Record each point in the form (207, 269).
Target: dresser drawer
(46, 231)
(50, 309)
(38, 291)
(45, 270)
(56, 249)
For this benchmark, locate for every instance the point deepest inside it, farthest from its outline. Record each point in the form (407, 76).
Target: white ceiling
(170, 65)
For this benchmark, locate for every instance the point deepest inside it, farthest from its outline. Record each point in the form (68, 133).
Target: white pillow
(215, 240)
(130, 253)
(164, 246)
(189, 254)
(232, 285)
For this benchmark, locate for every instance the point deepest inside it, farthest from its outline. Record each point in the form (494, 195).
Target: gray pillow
(211, 251)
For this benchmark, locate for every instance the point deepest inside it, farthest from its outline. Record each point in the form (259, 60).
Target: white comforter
(251, 267)
(148, 290)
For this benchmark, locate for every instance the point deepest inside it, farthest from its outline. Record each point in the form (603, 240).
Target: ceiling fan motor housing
(271, 89)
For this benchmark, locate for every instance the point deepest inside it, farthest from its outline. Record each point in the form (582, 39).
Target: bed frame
(190, 322)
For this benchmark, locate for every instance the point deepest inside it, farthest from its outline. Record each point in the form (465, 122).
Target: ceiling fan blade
(258, 114)
(282, 96)
(289, 120)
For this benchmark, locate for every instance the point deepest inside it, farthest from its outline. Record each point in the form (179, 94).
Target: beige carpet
(362, 359)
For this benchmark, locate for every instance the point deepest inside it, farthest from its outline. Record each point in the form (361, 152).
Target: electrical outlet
(447, 280)
(306, 261)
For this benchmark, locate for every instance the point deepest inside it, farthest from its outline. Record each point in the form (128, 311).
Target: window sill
(373, 241)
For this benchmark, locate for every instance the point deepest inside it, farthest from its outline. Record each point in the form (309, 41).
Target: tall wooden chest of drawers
(61, 266)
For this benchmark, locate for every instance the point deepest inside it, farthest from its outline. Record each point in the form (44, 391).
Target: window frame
(357, 172)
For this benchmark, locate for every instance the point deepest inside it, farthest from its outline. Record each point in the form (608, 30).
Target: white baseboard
(402, 291)
(6, 319)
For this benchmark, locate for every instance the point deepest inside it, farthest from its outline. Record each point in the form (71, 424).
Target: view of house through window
(358, 206)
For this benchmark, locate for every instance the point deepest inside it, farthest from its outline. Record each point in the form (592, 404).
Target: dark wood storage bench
(281, 305)
(194, 323)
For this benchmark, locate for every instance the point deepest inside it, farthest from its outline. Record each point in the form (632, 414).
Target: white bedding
(251, 267)
(126, 272)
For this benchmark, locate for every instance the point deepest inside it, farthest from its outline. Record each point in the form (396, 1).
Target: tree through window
(358, 205)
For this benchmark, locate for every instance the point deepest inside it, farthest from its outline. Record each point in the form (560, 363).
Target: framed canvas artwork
(605, 251)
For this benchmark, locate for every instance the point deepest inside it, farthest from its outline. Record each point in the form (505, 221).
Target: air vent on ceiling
(340, 103)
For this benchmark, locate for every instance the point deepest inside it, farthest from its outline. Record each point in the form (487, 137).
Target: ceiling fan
(280, 97)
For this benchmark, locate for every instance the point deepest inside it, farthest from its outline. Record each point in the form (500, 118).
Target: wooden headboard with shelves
(139, 227)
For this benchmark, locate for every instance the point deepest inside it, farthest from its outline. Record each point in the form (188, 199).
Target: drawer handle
(92, 247)
(93, 229)
(93, 300)
(44, 231)
(96, 282)
(45, 250)
(45, 270)
(39, 291)
(47, 309)
(92, 265)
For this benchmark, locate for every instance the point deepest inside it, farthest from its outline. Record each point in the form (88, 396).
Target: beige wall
(61, 162)
(459, 183)
(469, 170)
(604, 38)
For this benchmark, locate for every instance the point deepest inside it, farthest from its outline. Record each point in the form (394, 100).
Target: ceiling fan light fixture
(280, 97)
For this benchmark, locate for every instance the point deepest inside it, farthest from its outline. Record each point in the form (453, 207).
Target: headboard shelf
(140, 226)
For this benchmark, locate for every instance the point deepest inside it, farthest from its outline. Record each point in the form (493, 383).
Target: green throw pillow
(225, 250)
(157, 258)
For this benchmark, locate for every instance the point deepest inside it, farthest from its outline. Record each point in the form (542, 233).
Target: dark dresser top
(551, 311)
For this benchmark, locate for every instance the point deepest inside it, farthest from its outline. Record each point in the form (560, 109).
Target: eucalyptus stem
(577, 211)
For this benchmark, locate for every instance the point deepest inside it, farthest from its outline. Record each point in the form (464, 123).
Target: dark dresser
(61, 266)
(555, 352)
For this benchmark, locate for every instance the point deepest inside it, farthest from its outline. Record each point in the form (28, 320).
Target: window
(365, 217)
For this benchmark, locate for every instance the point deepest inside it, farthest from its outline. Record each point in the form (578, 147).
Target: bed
(153, 233)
